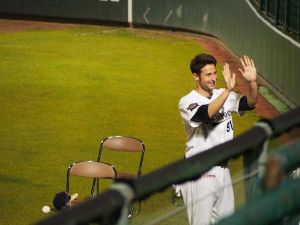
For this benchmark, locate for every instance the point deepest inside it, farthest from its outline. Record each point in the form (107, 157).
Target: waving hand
(249, 70)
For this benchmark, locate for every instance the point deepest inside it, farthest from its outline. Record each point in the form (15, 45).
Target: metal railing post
(255, 161)
(126, 191)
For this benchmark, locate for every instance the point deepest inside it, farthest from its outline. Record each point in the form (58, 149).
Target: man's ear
(196, 77)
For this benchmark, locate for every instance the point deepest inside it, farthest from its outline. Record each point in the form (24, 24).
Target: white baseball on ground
(46, 209)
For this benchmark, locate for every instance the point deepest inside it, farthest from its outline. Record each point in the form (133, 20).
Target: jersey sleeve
(235, 100)
(188, 108)
(202, 115)
(243, 105)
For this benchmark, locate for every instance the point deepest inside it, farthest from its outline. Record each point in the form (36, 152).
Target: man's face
(208, 77)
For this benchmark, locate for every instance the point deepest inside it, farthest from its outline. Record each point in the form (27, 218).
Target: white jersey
(200, 135)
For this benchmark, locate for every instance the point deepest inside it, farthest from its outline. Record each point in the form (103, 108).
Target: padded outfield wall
(233, 21)
(90, 10)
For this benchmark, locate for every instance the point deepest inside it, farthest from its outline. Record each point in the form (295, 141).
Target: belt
(223, 164)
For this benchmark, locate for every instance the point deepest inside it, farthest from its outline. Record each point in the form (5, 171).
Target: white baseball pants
(210, 197)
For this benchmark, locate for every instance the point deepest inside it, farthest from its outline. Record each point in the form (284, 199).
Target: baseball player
(206, 115)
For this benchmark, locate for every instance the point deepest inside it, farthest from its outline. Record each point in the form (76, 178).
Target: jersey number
(229, 126)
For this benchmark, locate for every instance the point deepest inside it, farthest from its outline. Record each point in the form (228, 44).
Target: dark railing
(280, 192)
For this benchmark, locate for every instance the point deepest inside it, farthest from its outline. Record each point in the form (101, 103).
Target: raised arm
(249, 73)
(216, 105)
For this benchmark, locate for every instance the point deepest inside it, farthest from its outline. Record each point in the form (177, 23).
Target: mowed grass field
(62, 91)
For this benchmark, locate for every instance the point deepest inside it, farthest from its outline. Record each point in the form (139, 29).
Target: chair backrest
(90, 169)
(124, 144)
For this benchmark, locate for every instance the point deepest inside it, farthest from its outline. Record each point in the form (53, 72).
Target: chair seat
(124, 175)
(90, 169)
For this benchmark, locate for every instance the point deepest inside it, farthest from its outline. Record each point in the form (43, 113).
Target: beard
(209, 87)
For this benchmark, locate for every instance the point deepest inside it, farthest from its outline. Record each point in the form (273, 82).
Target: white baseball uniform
(211, 196)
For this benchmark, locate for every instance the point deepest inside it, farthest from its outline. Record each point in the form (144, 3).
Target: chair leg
(134, 208)
(130, 210)
(176, 195)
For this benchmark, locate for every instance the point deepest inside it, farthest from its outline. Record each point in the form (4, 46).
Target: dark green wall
(81, 9)
(277, 59)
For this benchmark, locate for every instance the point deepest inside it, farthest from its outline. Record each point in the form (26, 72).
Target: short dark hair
(201, 60)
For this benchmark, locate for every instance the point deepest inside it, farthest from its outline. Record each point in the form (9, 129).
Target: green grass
(62, 91)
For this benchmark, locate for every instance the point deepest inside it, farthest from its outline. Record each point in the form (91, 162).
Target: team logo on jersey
(222, 116)
(192, 106)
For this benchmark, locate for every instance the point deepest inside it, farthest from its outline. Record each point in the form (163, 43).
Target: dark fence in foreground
(279, 197)
(272, 207)
(110, 207)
